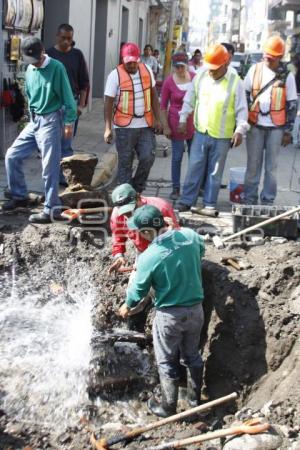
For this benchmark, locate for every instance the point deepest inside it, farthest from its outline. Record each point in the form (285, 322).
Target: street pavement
(89, 139)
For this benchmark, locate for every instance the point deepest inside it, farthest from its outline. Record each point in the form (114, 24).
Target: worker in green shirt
(171, 265)
(51, 102)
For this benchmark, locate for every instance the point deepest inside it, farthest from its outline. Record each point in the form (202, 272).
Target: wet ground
(69, 366)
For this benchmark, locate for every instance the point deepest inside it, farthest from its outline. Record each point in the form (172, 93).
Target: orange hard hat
(274, 46)
(216, 56)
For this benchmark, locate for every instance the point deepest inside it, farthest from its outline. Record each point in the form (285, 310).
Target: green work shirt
(172, 266)
(48, 89)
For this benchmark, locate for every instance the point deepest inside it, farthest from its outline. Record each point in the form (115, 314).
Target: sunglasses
(125, 201)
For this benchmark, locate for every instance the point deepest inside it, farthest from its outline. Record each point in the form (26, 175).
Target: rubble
(249, 341)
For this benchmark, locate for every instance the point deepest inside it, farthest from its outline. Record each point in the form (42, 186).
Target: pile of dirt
(249, 342)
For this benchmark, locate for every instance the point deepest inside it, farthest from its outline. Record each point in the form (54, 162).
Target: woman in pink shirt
(196, 61)
(173, 92)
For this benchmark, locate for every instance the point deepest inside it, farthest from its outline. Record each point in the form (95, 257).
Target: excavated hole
(68, 362)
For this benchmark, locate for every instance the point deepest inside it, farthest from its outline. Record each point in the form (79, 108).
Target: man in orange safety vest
(131, 106)
(272, 100)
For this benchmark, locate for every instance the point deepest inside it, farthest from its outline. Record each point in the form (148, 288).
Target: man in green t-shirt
(48, 90)
(171, 265)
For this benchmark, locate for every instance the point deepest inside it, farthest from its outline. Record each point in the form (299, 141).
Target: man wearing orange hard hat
(272, 100)
(218, 99)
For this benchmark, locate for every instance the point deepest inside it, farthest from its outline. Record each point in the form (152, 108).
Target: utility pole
(168, 54)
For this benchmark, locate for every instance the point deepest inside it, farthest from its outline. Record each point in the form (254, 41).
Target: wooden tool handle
(234, 263)
(241, 429)
(105, 443)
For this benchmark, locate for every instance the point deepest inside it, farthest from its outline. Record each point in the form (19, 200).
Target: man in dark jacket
(74, 62)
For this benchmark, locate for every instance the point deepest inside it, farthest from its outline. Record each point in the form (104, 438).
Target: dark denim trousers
(131, 141)
(176, 337)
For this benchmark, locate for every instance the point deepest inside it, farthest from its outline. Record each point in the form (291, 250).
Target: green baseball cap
(124, 198)
(146, 216)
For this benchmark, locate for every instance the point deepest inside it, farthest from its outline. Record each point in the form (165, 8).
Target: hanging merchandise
(23, 15)
(10, 11)
(37, 16)
(18, 106)
(14, 54)
(7, 98)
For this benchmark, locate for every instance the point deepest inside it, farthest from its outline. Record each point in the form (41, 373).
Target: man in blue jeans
(272, 98)
(48, 91)
(171, 265)
(218, 100)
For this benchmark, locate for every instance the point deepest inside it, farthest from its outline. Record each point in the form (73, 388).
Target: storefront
(19, 18)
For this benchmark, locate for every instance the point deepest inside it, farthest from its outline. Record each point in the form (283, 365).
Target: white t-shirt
(112, 89)
(265, 97)
(183, 86)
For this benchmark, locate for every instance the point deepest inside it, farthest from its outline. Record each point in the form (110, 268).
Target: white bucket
(237, 184)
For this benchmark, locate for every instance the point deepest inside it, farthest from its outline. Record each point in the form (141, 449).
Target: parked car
(237, 62)
(250, 59)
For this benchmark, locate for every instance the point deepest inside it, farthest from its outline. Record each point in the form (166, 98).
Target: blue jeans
(262, 144)
(177, 154)
(296, 130)
(43, 133)
(207, 160)
(66, 146)
(128, 142)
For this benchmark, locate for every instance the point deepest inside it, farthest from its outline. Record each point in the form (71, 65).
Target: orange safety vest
(124, 111)
(278, 99)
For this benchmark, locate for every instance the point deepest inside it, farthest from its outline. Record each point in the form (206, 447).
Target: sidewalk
(89, 139)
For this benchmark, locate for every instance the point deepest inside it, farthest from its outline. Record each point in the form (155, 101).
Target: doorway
(100, 48)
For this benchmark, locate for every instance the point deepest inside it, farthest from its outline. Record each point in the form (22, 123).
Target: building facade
(100, 31)
(100, 28)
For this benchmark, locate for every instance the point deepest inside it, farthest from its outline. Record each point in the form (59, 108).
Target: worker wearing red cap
(131, 106)
(272, 99)
(217, 98)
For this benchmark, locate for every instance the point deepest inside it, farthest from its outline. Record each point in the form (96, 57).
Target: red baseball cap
(130, 52)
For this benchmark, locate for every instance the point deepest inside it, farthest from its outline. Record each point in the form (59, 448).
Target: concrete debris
(256, 240)
(278, 240)
(265, 441)
(79, 169)
(295, 301)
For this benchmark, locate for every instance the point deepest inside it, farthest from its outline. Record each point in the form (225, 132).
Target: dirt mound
(249, 341)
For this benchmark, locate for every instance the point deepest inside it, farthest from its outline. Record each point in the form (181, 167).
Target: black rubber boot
(194, 386)
(175, 194)
(169, 395)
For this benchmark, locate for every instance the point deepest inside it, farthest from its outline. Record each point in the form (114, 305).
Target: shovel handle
(262, 224)
(75, 213)
(105, 443)
(241, 429)
(125, 269)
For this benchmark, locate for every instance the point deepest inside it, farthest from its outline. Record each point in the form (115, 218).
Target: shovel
(219, 243)
(105, 444)
(253, 426)
(72, 214)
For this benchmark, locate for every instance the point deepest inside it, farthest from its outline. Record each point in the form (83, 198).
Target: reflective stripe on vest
(215, 105)
(125, 109)
(278, 99)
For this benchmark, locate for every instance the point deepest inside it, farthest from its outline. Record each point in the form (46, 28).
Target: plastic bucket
(237, 184)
